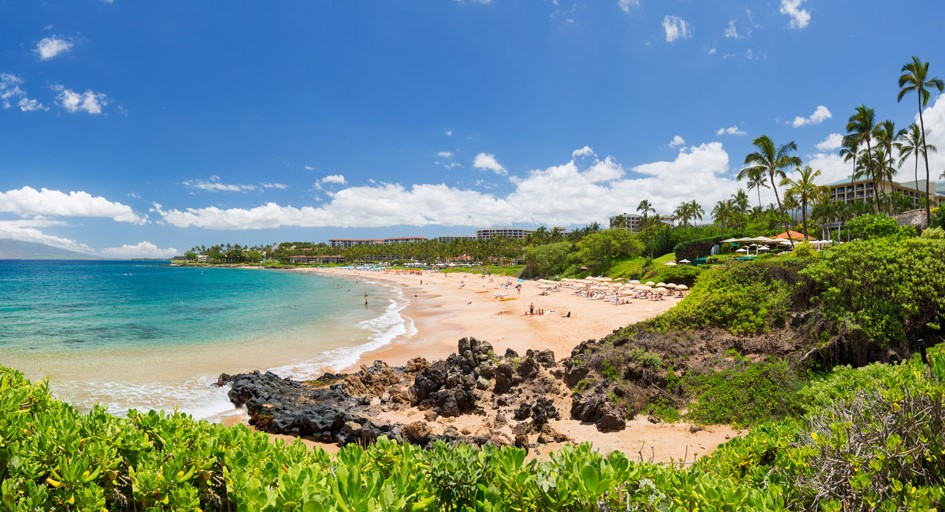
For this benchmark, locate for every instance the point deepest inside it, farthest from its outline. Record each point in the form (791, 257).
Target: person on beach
(531, 308)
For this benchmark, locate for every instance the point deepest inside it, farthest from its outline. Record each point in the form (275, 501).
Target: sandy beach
(445, 307)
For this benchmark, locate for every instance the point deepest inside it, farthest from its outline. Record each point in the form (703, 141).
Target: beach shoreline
(445, 307)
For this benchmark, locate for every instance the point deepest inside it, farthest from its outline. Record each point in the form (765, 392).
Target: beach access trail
(445, 307)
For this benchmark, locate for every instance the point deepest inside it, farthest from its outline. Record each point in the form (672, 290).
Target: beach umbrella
(661, 283)
(650, 283)
(660, 290)
(742, 250)
(670, 263)
(731, 240)
(671, 286)
(684, 261)
(764, 248)
(634, 281)
(682, 287)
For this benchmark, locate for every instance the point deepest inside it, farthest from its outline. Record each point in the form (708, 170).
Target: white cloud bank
(676, 28)
(800, 18)
(566, 194)
(140, 250)
(821, 114)
(29, 202)
(832, 142)
(50, 47)
(677, 141)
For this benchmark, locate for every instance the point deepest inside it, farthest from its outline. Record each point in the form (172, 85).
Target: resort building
(486, 234)
(343, 243)
(848, 192)
(634, 222)
(404, 240)
(448, 239)
(305, 258)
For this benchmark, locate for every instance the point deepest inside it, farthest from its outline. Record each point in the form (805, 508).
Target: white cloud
(309, 167)
(799, 17)
(565, 194)
(832, 142)
(934, 135)
(89, 101)
(140, 250)
(449, 133)
(29, 202)
(49, 47)
(277, 186)
(712, 51)
(677, 141)
(214, 185)
(731, 130)
(625, 5)
(336, 179)
(487, 162)
(446, 160)
(831, 166)
(821, 114)
(731, 31)
(676, 28)
(584, 151)
(12, 94)
(27, 230)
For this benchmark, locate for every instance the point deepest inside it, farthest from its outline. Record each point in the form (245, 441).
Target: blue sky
(142, 128)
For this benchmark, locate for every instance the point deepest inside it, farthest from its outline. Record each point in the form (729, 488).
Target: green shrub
(887, 291)
(747, 394)
(741, 297)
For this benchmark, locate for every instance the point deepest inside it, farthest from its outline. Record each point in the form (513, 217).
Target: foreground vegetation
(870, 438)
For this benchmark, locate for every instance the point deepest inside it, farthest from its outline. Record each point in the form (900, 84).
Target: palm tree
(695, 210)
(886, 135)
(681, 213)
(860, 130)
(914, 77)
(756, 180)
(912, 144)
(803, 189)
(723, 213)
(645, 208)
(740, 201)
(772, 160)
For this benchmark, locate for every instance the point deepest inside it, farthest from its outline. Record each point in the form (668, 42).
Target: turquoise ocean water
(136, 334)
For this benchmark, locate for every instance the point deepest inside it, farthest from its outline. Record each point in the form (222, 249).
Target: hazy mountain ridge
(19, 250)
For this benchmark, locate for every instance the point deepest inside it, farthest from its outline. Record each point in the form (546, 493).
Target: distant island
(19, 250)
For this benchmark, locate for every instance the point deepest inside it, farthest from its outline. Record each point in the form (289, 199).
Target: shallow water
(146, 335)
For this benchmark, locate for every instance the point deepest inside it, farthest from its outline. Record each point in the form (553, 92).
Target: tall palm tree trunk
(925, 153)
(781, 209)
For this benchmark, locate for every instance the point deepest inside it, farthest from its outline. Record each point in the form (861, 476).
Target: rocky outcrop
(344, 408)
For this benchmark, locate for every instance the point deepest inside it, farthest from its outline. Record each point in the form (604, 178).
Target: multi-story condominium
(448, 239)
(486, 234)
(634, 222)
(351, 242)
(404, 240)
(862, 189)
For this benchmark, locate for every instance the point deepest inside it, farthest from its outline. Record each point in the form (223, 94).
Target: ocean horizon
(142, 334)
